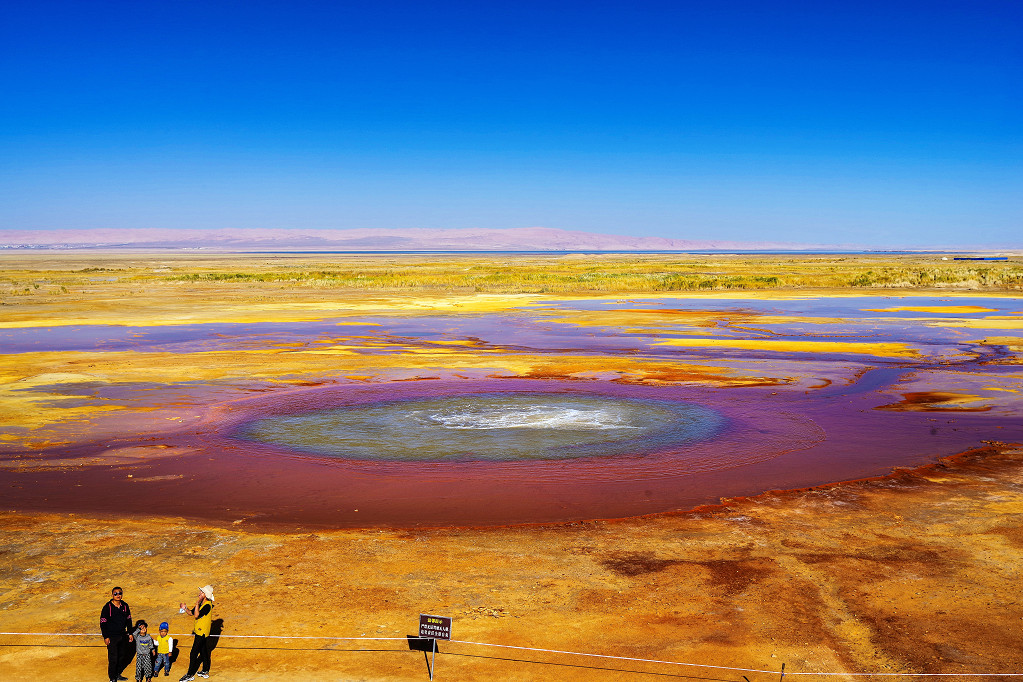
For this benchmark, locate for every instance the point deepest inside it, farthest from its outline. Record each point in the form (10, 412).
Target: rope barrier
(620, 658)
(550, 651)
(748, 670)
(98, 634)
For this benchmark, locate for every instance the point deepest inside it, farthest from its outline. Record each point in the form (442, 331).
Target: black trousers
(200, 654)
(119, 654)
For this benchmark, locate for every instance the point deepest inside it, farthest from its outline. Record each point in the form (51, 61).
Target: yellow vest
(163, 644)
(204, 623)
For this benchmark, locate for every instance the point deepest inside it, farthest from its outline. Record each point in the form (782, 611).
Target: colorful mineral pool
(535, 410)
(490, 427)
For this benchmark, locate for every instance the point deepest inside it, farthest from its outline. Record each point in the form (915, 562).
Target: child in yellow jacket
(164, 649)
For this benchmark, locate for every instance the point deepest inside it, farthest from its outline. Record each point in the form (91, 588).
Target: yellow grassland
(43, 276)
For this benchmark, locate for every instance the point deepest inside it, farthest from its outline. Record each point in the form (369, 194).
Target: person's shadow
(175, 651)
(216, 628)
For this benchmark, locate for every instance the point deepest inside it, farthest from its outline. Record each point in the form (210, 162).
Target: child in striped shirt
(144, 647)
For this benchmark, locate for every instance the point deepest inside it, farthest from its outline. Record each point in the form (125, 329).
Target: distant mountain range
(516, 239)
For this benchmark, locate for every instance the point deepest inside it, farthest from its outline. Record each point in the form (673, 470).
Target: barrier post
(434, 628)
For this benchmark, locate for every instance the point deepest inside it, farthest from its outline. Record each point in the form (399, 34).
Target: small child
(164, 648)
(144, 647)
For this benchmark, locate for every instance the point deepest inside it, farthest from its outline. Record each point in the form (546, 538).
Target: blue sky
(880, 124)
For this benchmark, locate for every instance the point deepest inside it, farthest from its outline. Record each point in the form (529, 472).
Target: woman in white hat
(200, 653)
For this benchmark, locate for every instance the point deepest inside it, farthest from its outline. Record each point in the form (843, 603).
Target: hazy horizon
(412, 240)
(879, 125)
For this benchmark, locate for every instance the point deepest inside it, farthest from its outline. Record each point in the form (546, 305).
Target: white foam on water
(491, 427)
(538, 417)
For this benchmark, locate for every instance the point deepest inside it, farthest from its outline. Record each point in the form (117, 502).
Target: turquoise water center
(490, 427)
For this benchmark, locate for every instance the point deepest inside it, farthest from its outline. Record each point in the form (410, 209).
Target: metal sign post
(434, 628)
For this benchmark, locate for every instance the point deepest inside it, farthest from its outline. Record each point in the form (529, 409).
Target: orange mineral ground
(828, 478)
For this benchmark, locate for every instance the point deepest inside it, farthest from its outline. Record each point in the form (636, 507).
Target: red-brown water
(771, 441)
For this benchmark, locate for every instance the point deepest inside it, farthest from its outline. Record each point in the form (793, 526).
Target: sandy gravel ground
(915, 573)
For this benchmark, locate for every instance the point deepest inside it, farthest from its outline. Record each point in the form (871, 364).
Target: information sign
(434, 627)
